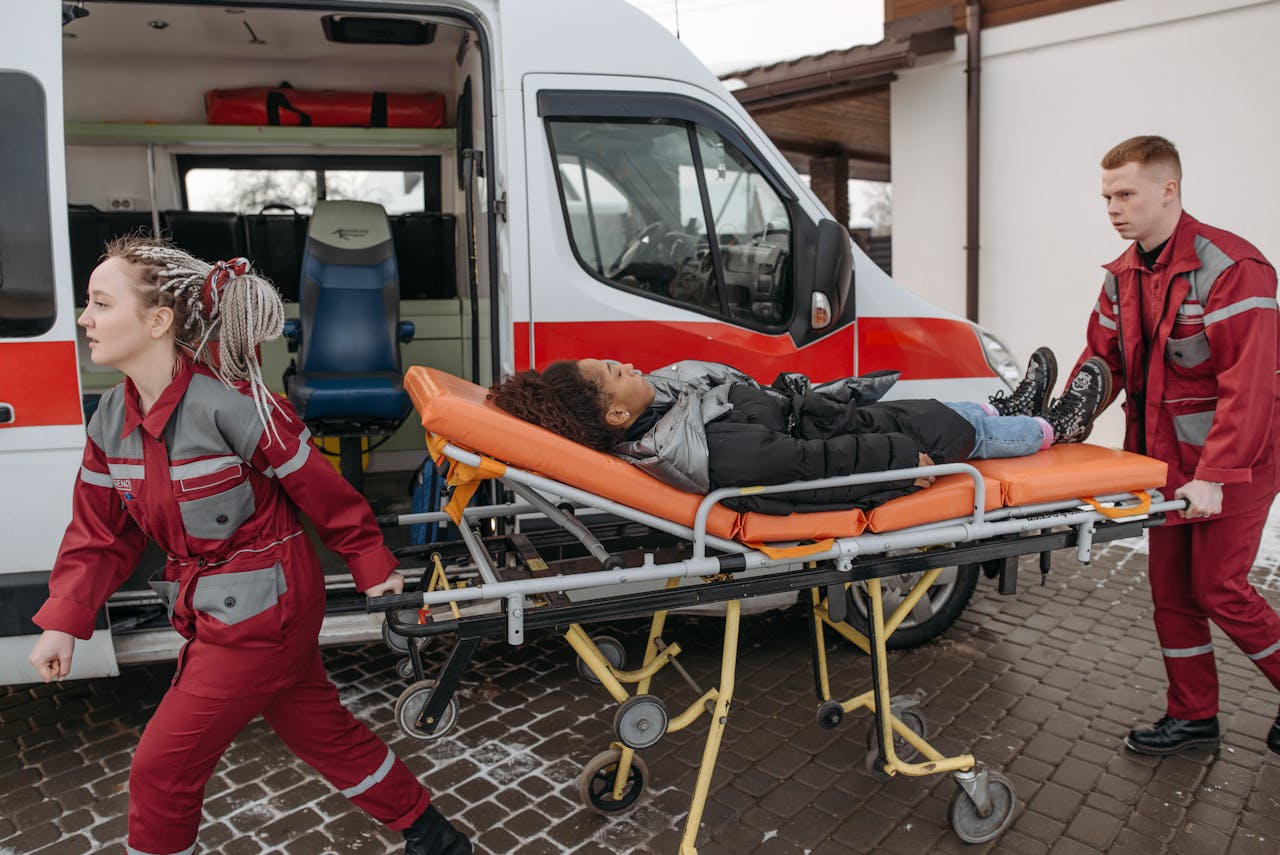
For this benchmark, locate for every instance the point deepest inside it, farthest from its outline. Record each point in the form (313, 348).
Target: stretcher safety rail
(987, 514)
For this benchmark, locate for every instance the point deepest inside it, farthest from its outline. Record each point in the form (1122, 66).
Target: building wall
(1057, 92)
(994, 12)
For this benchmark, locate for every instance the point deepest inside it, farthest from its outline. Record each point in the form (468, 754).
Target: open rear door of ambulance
(41, 420)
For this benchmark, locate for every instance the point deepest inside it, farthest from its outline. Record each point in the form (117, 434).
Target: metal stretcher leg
(728, 667)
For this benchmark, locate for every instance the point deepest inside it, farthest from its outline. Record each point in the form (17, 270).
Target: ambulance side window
(27, 305)
(638, 197)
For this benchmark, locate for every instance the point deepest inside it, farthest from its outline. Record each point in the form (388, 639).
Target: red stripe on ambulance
(41, 381)
(921, 348)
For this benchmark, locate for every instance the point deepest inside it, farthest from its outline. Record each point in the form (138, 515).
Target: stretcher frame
(984, 802)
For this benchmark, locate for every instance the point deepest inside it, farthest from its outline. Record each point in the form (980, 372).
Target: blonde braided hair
(239, 310)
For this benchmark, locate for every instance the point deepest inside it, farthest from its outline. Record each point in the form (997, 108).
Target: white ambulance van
(593, 191)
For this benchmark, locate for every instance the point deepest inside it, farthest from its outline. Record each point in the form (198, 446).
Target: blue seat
(347, 380)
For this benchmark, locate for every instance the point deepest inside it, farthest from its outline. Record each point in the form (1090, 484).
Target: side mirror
(833, 271)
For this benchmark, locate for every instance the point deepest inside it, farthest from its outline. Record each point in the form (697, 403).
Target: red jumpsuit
(221, 495)
(1194, 344)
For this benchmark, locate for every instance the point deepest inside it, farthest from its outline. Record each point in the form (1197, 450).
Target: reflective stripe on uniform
(129, 850)
(97, 479)
(1104, 321)
(1238, 308)
(127, 471)
(382, 772)
(202, 467)
(293, 464)
(1186, 652)
(1263, 654)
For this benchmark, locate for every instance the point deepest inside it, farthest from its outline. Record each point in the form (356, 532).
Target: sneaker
(1031, 398)
(1072, 415)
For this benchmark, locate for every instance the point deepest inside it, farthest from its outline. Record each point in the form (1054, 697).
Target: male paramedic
(1187, 320)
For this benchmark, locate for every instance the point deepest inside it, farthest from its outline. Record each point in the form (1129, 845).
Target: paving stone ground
(1041, 686)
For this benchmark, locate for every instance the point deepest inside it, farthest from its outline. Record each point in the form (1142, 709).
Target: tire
(947, 600)
(968, 825)
(595, 784)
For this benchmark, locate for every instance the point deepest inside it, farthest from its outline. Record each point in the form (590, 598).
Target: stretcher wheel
(404, 668)
(394, 640)
(904, 750)
(612, 651)
(595, 784)
(830, 714)
(410, 704)
(641, 721)
(971, 827)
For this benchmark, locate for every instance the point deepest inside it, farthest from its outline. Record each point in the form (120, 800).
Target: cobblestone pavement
(1041, 686)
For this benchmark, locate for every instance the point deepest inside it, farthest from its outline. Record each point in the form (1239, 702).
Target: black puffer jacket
(751, 445)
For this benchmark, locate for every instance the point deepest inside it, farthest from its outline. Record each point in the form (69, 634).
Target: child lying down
(700, 426)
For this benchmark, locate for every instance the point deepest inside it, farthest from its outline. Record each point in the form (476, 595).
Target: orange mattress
(458, 411)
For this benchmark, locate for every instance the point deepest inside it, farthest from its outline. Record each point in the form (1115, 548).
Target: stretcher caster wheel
(969, 824)
(394, 640)
(830, 714)
(902, 749)
(410, 704)
(595, 784)
(641, 721)
(404, 668)
(612, 651)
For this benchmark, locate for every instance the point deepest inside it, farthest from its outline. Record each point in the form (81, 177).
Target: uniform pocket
(210, 480)
(1192, 420)
(168, 591)
(216, 517)
(1188, 352)
(241, 608)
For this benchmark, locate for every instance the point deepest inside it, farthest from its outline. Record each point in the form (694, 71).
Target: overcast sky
(732, 34)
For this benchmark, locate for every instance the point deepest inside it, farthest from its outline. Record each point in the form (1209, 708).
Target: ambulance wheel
(903, 750)
(595, 784)
(830, 714)
(933, 615)
(969, 825)
(394, 640)
(612, 651)
(641, 721)
(410, 704)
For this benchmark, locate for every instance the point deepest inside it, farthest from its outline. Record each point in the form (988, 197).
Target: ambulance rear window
(27, 304)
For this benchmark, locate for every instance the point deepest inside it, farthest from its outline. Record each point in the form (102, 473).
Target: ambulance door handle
(6, 414)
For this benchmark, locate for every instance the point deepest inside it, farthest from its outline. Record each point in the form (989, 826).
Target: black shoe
(1072, 415)
(1170, 735)
(1031, 398)
(431, 834)
(1273, 737)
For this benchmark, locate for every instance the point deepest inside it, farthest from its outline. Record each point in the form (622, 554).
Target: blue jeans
(1000, 436)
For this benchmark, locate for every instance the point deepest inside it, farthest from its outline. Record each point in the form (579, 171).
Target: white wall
(1057, 92)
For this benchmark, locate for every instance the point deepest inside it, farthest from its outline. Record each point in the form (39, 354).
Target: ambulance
(590, 189)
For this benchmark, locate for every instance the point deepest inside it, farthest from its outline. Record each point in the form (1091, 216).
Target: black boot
(1031, 398)
(431, 834)
(1273, 737)
(1072, 415)
(1170, 735)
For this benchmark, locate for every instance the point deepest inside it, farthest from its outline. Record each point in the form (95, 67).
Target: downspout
(973, 76)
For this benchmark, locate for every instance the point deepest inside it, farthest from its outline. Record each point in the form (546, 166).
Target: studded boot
(1031, 398)
(1072, 415)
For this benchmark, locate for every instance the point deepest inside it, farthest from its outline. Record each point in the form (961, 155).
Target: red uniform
(1194, 344)
(221, 495)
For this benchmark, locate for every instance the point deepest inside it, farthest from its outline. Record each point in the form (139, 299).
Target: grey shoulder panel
(1213, 262)
(213, 417)
(107, 422)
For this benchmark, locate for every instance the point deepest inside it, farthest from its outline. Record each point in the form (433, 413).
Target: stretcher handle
(1143, 506)
(394, 602)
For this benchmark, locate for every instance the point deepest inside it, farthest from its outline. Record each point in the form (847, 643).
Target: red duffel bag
(330, 108)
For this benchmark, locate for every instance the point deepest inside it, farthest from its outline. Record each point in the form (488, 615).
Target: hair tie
(222, 273)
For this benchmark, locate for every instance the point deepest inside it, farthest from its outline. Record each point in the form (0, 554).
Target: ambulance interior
(140, 154)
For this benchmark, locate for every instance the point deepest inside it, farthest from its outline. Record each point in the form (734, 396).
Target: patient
(699, 426)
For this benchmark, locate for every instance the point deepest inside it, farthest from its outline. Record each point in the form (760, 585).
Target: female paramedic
(192, 451)
(700, 425)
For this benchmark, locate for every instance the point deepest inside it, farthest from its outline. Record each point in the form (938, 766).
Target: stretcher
(616, 543)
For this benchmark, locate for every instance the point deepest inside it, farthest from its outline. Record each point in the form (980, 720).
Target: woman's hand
(394, 584)
(924, 480)
(51, 656)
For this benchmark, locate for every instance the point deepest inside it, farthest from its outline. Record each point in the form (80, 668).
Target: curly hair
(561, 399)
